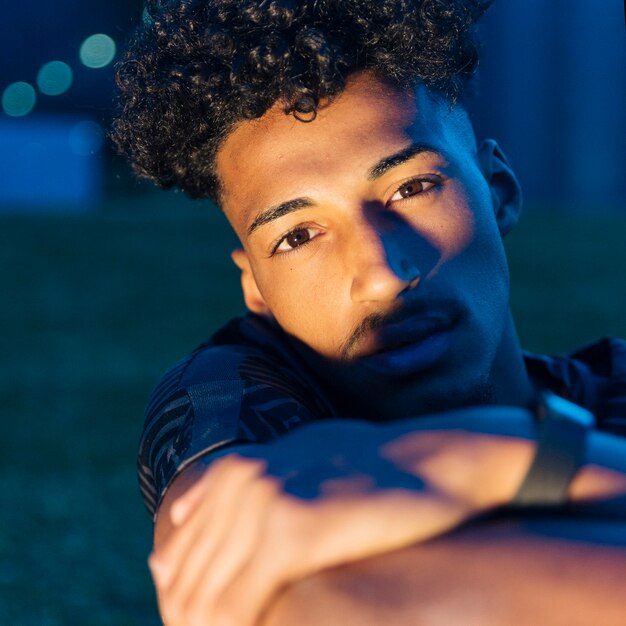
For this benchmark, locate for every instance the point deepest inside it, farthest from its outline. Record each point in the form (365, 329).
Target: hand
(327, 494)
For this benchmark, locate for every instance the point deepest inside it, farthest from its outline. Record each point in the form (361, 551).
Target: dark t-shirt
(247, 385)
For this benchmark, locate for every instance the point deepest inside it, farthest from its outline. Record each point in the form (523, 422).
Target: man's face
(372, 235)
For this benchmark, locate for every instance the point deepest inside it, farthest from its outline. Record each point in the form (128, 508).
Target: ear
(506, 193)
(251, 294)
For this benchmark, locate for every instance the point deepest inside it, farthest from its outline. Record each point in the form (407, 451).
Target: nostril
(409, 272)
(412, 283)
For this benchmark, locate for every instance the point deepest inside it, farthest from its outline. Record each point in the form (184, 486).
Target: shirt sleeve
(218, 396)
(593, 377)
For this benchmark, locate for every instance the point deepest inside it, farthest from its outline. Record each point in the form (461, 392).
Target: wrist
(483, 470)
(563, 430)
(602, 477)
(499, 475)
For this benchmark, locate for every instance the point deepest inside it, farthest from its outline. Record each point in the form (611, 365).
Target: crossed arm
(497, 573)
(229, 538)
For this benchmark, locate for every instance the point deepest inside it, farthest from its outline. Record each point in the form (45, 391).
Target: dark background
(106, 281)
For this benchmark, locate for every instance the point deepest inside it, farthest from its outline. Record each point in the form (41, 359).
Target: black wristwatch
(561, 447)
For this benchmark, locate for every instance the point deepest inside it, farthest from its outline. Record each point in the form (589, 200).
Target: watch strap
(561, 448)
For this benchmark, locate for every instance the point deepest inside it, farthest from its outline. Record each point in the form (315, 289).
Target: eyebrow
(402, 156)
(273, 213)
(382, 167)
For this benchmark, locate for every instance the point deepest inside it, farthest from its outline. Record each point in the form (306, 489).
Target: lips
(410, 331)
(408, 346)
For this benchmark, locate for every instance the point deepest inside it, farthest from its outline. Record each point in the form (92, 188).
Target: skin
(373, 257)
(506, 572)
(417, 246)
(229, 536)
(235, 532)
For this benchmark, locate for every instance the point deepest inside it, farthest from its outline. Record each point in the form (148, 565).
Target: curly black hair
(195, 68)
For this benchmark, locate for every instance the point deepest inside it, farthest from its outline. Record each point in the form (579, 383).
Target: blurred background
(105, 281)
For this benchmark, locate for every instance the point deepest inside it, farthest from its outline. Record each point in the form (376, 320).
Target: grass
(96, 307)
(568, 279)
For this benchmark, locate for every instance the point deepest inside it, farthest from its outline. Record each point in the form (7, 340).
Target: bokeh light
(19, 99)
(55, 78)
(86, 138)
(97, 51)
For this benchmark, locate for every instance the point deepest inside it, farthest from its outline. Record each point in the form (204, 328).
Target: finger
(243, 601)
(281, 557)
(239, 546)
(187, 502)
(227, 530)
(210, 518)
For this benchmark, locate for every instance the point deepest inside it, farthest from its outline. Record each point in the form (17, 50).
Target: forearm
(340, 492)
(497, 446)
(539, 571)
(513, 573)
(601, 481)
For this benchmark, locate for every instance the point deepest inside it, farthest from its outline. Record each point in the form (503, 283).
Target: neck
(509, 379)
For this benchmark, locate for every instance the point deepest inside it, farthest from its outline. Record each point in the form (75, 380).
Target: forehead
(271, 159)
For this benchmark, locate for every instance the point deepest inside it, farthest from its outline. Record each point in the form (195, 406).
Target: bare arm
(543, 572)
(515, 571)
(337, 493)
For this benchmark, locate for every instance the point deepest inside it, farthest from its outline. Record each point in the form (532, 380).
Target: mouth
(408, 347)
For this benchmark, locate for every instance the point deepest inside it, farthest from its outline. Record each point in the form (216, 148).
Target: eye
(413, 188)
(296, 238)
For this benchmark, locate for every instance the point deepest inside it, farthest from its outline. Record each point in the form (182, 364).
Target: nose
(383, 268)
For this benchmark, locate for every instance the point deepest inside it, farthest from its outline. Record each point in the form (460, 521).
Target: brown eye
(298, 237)
(410, 189)
(413, 188)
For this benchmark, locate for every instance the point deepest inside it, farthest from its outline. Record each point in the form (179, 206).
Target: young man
(333, 136)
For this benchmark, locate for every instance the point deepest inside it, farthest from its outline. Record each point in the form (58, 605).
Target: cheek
(471, 249)
(308, 303)
(451, 229)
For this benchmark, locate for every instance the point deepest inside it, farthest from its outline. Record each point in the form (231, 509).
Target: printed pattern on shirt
(190, 414)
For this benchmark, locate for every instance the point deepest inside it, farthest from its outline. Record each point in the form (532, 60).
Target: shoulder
(593, 376)
(238, 387)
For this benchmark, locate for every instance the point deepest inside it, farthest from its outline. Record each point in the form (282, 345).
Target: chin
(403, 401)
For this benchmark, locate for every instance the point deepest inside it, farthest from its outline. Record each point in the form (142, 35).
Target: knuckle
(153, 562)
(221, 465)
(236, 463)
(270, 486)
(288, 521)
(292, 508)
(158, 569)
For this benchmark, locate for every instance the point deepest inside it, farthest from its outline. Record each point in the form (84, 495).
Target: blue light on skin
(411, 358)
(19, 99)
(357, 273)
(97, 51)
(55, 78)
